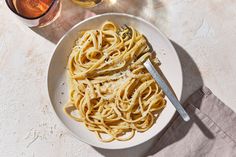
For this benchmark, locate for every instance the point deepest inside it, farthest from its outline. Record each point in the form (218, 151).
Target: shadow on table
(192, 81)
(71, 14)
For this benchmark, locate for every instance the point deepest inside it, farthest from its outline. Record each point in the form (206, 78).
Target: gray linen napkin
(210, 132)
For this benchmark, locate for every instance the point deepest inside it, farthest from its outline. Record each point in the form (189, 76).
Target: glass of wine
(35, 12)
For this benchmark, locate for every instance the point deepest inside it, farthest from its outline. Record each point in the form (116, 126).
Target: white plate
(57, 77)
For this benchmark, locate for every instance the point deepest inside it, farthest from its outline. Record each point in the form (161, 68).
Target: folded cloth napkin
(210, 132)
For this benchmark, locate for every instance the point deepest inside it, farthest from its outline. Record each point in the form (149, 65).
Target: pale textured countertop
(28, 127)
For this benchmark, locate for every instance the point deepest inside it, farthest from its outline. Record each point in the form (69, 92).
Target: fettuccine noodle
(111, 92)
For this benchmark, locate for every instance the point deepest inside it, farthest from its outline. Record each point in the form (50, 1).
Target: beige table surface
(203, 33)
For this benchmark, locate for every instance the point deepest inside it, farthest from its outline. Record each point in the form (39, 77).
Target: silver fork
(157, 77)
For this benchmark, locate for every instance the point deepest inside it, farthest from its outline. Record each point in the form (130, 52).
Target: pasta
(111, 92)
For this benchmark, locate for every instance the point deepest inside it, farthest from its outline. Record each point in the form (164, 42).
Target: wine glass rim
(31, 18)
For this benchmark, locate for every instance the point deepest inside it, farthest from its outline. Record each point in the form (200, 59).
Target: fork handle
(157, 77)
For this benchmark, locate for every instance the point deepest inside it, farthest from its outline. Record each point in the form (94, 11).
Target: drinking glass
(35, 12)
